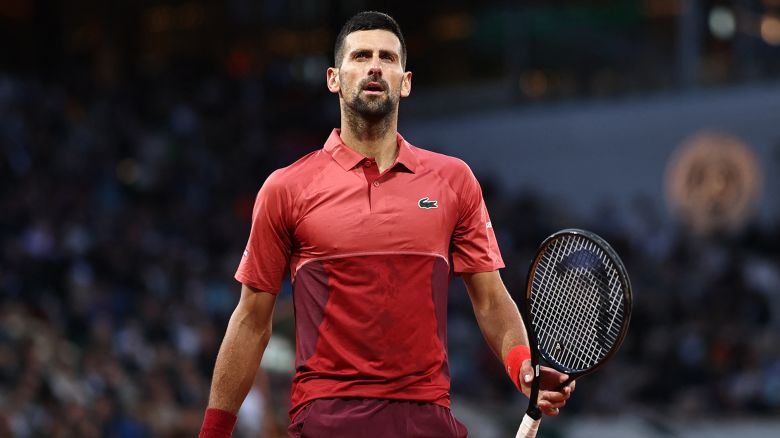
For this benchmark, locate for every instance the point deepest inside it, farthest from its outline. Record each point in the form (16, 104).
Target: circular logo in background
(713, 181)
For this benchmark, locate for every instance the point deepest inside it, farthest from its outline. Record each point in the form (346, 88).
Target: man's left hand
(551, 396)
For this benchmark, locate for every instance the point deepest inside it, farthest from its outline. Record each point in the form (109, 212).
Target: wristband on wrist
(217, 424)
(514, 362)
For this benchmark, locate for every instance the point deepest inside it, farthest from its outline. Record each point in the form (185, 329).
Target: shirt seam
(369, 253)
(450, 186)
(294, 205)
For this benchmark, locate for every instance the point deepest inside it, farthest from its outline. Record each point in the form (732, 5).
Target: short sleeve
(266, 257)
(474, 247)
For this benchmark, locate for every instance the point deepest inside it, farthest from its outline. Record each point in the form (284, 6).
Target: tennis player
(370, 228)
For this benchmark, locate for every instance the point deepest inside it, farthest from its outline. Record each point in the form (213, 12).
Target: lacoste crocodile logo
(426, 203)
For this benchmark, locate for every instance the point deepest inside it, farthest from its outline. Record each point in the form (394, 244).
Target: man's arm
(239, 356)
(503, 329)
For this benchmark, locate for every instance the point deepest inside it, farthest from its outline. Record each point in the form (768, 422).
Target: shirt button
(367, 164)
(376, 183)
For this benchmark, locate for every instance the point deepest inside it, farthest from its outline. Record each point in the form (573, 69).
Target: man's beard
(372, 108)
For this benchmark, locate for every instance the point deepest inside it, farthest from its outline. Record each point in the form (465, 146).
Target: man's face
(371, 79)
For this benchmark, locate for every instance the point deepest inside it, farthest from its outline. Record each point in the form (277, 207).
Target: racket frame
(533, 410)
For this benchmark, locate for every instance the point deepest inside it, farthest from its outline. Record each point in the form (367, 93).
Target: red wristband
(514, 362)
(217, 424)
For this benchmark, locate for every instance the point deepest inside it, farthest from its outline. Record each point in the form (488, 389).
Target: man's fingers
(547, 406)
(527, 371)
(550, 409)
(553, 396)
(558, 405)
(552, 378)
(568, 389)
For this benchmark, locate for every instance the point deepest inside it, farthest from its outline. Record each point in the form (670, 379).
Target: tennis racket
(576, 311)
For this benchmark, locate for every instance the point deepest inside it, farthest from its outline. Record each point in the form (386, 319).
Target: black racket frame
(533, 410)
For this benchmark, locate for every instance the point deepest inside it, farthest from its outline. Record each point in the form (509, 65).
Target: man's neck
(375, 140)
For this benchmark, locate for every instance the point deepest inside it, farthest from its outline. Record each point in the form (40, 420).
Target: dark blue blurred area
(135, 135)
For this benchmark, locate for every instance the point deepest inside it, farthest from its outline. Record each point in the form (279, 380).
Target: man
(370, 228)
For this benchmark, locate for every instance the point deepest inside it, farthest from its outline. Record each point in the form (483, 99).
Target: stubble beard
(371, 108)
(370, 112)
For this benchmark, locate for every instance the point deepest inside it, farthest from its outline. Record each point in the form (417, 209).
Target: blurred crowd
(124, 211)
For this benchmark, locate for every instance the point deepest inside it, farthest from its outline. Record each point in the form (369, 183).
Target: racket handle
(528, 427)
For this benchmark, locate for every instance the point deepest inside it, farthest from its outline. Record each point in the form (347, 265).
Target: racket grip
(528, 427)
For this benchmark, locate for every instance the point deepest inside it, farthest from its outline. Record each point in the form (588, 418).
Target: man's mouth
(374, 88)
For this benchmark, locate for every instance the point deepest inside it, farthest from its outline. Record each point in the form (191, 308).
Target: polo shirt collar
(406, 155)
(348, 158)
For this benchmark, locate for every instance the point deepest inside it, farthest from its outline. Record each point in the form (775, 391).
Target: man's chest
(399, 212)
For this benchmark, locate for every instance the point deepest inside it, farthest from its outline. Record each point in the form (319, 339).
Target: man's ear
(333, 80)
(406, 84)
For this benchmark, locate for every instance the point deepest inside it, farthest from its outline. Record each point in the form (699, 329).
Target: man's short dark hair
(368, 20)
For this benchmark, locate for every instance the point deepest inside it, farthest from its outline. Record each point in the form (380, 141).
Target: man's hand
(551, 396)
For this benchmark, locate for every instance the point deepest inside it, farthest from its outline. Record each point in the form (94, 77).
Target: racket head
(578, 302)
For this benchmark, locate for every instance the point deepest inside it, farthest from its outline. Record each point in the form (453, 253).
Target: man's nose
(375, 68)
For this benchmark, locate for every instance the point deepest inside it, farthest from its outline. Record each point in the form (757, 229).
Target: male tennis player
(370, 228)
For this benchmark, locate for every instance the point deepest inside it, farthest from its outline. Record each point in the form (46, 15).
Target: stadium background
(135, 134)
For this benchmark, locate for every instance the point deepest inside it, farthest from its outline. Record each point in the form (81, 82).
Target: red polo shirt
(370, 256)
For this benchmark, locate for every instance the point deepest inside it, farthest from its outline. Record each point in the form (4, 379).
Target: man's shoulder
(299, 173)
(446, 165)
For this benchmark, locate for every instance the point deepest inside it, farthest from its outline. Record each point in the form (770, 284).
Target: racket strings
(573, 320)
(590, 309)
(574, 349)
(576, 302)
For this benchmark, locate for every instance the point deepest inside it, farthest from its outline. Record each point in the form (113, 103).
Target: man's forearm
(496, 312)
(500, 323)
(237, 362)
